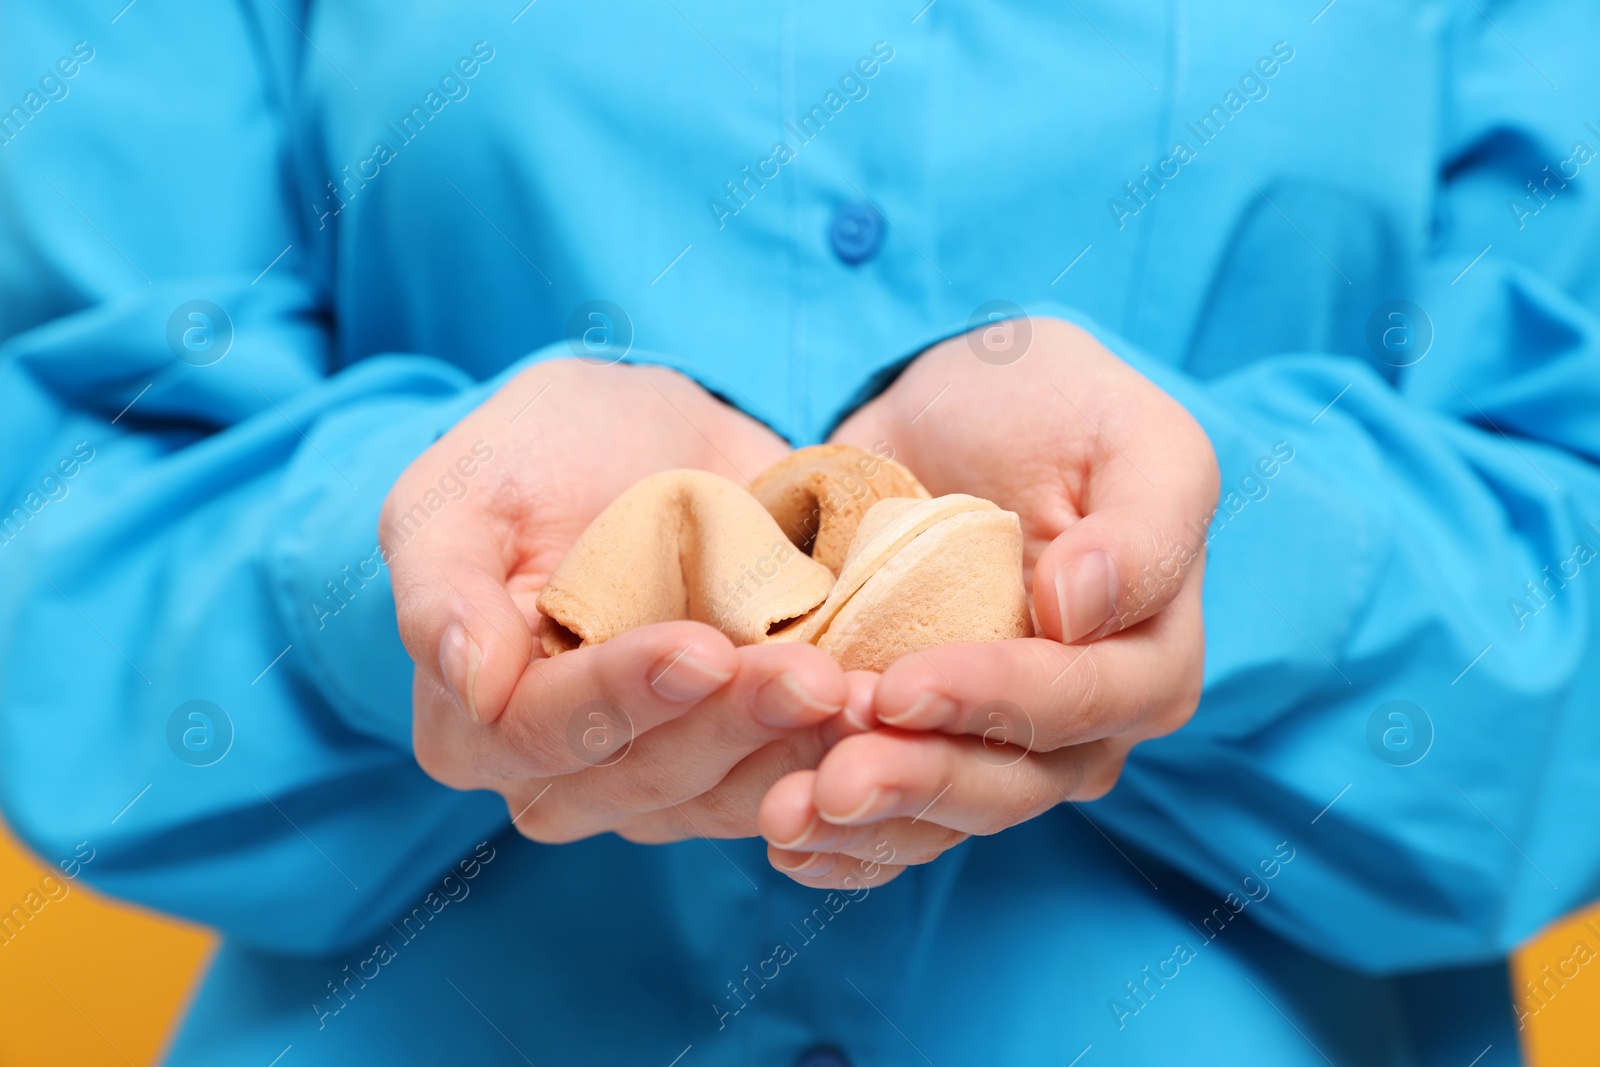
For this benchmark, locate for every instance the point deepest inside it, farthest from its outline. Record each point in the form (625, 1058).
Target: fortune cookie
(819, 495)
(681, 544)
(832, 546)
(922, 573)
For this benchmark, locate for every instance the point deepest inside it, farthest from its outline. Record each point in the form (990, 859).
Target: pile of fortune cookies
(833, 545)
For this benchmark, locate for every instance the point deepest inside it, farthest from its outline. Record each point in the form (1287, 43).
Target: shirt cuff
(329, 576)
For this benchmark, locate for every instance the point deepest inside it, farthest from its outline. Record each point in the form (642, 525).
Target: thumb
(1120, 563)
(1145, 511)
(1115, 568)
(457, 619)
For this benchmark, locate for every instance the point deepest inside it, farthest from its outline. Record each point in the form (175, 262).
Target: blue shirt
(255, 257)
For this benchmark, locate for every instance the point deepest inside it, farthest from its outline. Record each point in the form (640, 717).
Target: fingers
(857, 716)
(457, 620)
(729, 808)
(1150, 488)
(1037, 695)
(579, 708)
(778, 689)
(585, 707)
(954, 781)
(1113, 569)
(860, 858)
(789, 820)
(886, 799)
(833, 870)
(874, 858)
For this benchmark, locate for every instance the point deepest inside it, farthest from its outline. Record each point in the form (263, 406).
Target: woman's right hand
(664, 732)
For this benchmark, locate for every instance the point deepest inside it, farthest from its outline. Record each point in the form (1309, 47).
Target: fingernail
(1086, 592)
(858, 707)
(459, 657)
(805, 836)
(836, 728)
(858, 719)
(877, 806)
(929, 711)
(784, 702)
(682, 678)
(815, 865)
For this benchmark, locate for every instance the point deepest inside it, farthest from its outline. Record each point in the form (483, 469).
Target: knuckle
(617, 796)
(946, 840)
(528, 820)
(726, 813)
(1017, 804)
(644, 782)
(1091, 684)
(437, 761)
(1099, 784)
(1099, 774)
(549, 827)
(532, 746)
(1022, 809)
(431, 758)
(1178, 705)
(648, 785)
(867, 843)
(1163, 569)
(1083, 712)
(927, 847)
(734, 731)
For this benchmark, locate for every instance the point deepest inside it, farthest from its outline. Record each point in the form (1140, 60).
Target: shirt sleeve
(202, 677)
(1402, 594)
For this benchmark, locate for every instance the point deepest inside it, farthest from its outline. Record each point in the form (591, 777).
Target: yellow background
(93, 982)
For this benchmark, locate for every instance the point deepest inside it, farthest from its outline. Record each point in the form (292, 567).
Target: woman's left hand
(1114, 483)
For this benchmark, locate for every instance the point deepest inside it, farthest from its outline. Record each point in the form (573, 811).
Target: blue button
(822, 1056)
(856, 231)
